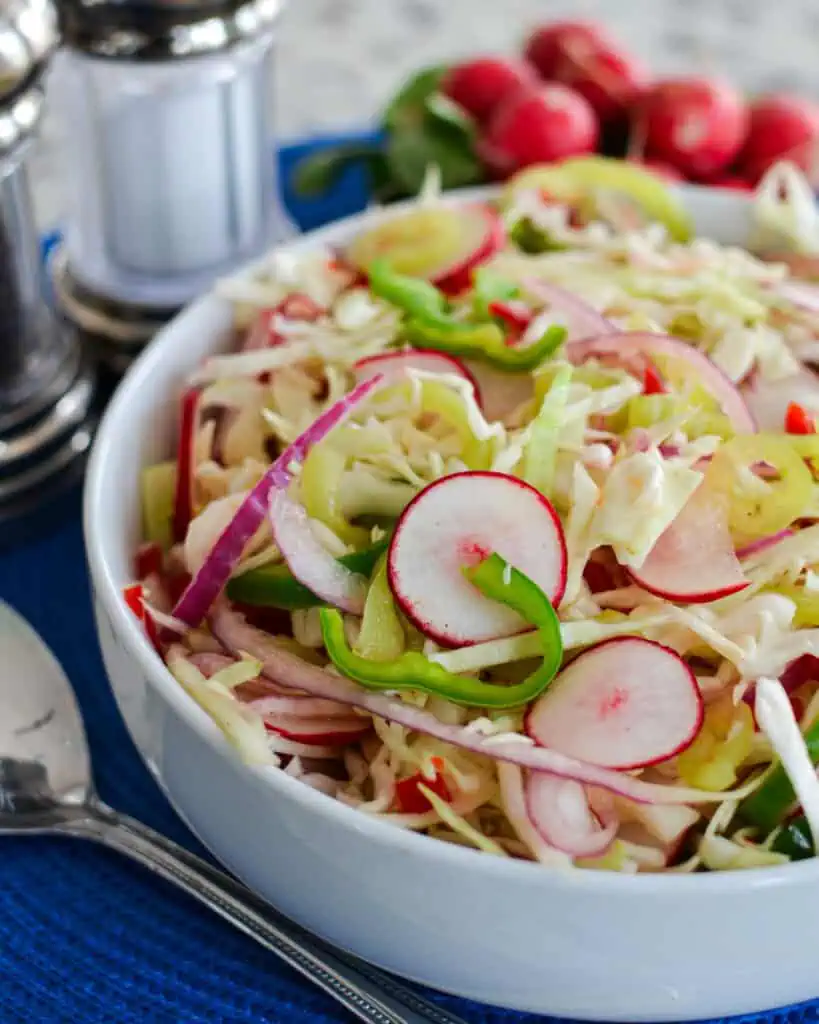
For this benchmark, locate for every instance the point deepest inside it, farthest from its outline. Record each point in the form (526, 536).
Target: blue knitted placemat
(87, 937)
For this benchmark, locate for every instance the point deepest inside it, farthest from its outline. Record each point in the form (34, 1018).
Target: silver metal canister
(46, 390)
(165, 109)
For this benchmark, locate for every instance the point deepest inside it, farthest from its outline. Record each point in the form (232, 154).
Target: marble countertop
(338, 60)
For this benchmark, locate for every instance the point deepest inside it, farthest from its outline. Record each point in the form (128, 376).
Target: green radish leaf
(447, 117)
(412, 150)
(318, 173)
(407, 106)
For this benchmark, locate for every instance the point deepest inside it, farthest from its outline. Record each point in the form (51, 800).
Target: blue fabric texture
(84, 935)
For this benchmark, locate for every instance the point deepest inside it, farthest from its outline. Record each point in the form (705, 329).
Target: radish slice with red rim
(456, 522)
(623, 704)
(225, 554)
(559, 810)
(693, 560)
(309, 562)
(185, 463)
(564, 308)
(395, 366)
(321, 731)
(442, 244)
(635, 351)
(287, 669)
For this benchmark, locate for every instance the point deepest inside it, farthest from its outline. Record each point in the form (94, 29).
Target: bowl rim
(107, 590)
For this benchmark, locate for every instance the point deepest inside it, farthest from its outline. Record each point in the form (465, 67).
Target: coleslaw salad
(515, 548)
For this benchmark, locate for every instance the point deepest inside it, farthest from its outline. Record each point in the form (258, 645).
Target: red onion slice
(564, 308)
(309, 562)
(225, 554)
(287, 669)
(559, 810)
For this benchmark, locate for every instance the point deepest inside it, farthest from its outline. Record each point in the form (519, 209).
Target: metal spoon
(46, 788)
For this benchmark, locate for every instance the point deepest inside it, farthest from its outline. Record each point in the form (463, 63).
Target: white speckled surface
(339, 59)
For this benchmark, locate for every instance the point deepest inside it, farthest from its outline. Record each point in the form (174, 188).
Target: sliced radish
(624, 703)
(287, 669)
(185, 463)
(559, 810)
(263, 334)
(310, 563)
(456, 522)
(694, 559)
(442, 244)
(768, 400)
(394, 366)
(562, 307)
(320, 731)
(636, 351)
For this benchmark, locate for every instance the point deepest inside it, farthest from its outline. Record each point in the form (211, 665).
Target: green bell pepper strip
(485, 342)
(795, 840)
(274, 586)
(429, 324)
(768, 805)
(496, 579)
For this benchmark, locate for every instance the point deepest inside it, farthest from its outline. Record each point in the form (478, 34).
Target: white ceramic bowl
(584, 944)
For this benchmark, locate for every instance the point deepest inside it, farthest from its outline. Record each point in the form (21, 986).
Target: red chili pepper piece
(408, 797)
(652, 381)
(133, 598)
(797, 420)
(515, 315)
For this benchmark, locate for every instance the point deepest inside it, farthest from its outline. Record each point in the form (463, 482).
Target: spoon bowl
(46, 786)
(45, 769)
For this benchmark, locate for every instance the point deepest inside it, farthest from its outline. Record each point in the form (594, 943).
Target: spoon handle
(364, 991)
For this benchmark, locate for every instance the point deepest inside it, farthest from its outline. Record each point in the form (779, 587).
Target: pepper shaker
(46, 389)
(168, 158)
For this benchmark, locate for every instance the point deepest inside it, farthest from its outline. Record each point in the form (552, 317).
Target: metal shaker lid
(163, 29)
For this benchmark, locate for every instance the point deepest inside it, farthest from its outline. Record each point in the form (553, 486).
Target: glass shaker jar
(168, 156)
(46, 391)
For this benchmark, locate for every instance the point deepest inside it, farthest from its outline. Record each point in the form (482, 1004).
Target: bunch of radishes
(575, 91)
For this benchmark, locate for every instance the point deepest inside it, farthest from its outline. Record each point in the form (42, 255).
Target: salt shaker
(46, 389)
(168, 157)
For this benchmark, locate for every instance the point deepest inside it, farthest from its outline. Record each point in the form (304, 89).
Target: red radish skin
(694, 560)
(319, 732)
(610, 81)
(479, 86)
(549, 124)
(549, 46)
(559, 810)
(394, 366)
(625, 703)
(457, 521)
(695, 124)
(458, 278)
(781, 127)
(633, 350)
(183, 497)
